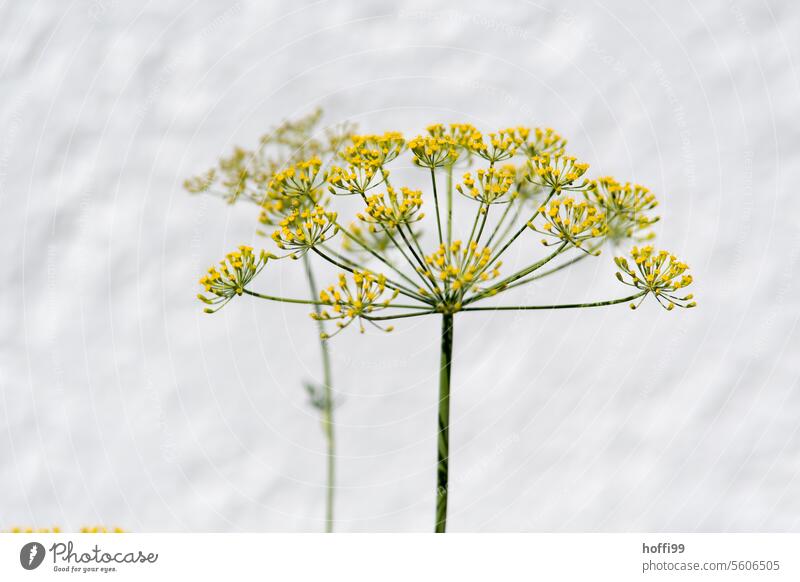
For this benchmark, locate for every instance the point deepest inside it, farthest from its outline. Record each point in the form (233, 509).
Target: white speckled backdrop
(123, 404)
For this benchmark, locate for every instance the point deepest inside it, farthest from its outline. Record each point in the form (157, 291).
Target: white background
(123, 404)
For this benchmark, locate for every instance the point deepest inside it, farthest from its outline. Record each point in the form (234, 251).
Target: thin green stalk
(564, 306)
(281, 299)
(422, 269)
(402, 316)
(443, 444)
(436, 202)
(320, 303)
(478, 213)
(500, 222)
(520, 231)
(355, 265)
(505, 283)
(449, 206)
(327, 404)
(563, 265)
(511, 222)
(390, 284)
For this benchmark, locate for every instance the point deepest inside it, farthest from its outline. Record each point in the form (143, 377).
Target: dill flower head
(540, 141)
(434, 152)
(374, 149)
(246, 174)
(300, 179)
(305, 228)
(235, 175)
(460, 267)
(568, 221)
(201, 182)
(357, 178)
(626, 207)
(558, 172)
(490, 187)
(354, 299)
(231, 277)
(658, 273)
(30, 530)
(461, 133)
(498, 147)
(390, 210)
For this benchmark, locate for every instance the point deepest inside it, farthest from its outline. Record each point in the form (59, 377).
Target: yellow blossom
(354, 298)
(231, 277)
(658, 273)
(558, 172)
(566, 220)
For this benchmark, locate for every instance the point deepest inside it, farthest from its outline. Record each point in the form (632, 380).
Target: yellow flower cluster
(434, 152)
(490, 187)
(300, 179)
(459, 267)
(358, 300)
(626, 206)
(84, 529)
(558, 172)
(659, 273)
(540, 141)
(500, 146)
(374, 150)
(356, 179)
(461, 133)
(231, 277)
(247, 173)
(305, 228)
(569, 221)
(389, 209)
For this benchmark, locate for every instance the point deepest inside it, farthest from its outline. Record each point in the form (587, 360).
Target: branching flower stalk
(246, 175)
(520, 182)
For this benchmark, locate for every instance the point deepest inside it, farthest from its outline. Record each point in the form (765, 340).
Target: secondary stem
(449, 205)
(444, 422)
(563, 306)
(436, 202)
(327, 405)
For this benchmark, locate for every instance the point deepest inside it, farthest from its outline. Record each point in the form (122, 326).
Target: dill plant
(521, 183)
(244, 175)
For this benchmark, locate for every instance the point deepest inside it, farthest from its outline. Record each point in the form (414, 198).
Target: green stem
(327, 407)
(436, 202)
(563, 265)
(443, 447)
(449, 205)
(320, 303)
(501, 221)
(564, 306)
(401, 316)
(281, 299)
(506, 283)
(389, 283)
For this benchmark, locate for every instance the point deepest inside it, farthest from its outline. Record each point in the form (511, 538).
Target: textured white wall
(123, 404)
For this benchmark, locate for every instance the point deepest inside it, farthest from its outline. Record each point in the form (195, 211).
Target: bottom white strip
(390, 557)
